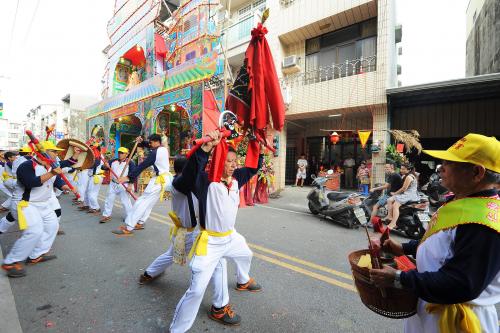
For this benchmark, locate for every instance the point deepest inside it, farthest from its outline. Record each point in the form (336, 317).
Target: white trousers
(38, 237)
(83, 181)
(8, 193)
(113, 191)
(143, 205)
(233, 247)
(220, 293)
(5, 224)
(92, 193)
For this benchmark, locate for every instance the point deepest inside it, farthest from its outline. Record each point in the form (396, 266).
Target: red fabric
(218, 160)
(160, 46)
(242, 197)
(261, 195)
(249, 187)
(135, 56)
(264, 86)
(210, 113)
(264, 90)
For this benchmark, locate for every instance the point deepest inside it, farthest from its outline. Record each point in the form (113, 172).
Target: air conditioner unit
(290, 65)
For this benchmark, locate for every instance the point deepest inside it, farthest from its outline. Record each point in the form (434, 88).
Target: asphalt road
(300, 260)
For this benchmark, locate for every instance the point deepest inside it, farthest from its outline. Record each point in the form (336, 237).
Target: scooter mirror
(313, 176)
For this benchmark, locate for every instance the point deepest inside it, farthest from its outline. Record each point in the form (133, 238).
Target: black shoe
(146, 278)
(225, 316)
(42, 258)
(251, 286)
(14, 270)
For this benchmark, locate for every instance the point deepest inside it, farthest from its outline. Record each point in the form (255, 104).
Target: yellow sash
(201, 243)
(160, 179)
(177, 224)
(97, 178)
(20, 214)
(454, 318)
(6, 176)
(75, 176)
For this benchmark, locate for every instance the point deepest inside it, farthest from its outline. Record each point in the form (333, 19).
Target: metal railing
(336, 71)
(239, 32)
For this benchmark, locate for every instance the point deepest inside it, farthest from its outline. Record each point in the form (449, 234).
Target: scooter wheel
(313, 209)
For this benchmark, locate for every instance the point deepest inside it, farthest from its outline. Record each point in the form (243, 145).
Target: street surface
(299, 259)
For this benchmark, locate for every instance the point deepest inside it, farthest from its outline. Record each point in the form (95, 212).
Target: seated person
(408, 192)
(393, 183)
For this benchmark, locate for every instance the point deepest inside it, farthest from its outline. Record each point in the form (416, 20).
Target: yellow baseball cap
(49, 145)
(472, 148)
(123, 150)
(25, 149)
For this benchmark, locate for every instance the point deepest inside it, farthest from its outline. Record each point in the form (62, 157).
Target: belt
(177, 224)
(75, 176)
(200, 245)
(160, 179)
(97, 178)
(20, 214)
(452, 314)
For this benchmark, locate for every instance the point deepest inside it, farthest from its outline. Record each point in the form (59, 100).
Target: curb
(8, 316)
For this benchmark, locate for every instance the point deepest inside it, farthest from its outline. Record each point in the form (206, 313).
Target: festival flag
(363, 137)
(256, 94)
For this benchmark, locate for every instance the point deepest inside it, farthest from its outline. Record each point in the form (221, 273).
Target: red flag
(256, 95)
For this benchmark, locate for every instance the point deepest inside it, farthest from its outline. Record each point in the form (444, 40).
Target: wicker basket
(397, 303)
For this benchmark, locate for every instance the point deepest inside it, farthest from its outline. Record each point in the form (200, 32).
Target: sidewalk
(8, 315)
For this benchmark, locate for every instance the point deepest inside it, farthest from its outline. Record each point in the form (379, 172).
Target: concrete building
(73, 116)
(335, 60)
(10, 134)
(483, 37)
(4, 134)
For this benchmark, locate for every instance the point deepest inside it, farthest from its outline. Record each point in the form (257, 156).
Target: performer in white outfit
(9, 178)
(158, 158)
(82, 180)
(218, 197)
(117, 165)
(96, 176)
(457, 278)
(36, 218)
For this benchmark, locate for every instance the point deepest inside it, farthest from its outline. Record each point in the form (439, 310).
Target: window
(245, 10)
(343, 52)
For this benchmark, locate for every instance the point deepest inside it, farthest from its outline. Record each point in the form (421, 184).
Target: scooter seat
(336, 196)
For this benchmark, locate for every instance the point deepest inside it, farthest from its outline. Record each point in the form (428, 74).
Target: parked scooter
(341, 207)
(413, 216)
(437, 193)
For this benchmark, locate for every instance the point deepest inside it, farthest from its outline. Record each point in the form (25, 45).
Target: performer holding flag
(158, 158)
(117, 166)
(218, 194)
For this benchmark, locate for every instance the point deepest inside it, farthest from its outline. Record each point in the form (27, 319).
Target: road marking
(159, 218)
(306, 272)
(284, 210)
(300, 261)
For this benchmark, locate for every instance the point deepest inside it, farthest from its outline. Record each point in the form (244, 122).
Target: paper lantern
(400, 147)
(334, 138)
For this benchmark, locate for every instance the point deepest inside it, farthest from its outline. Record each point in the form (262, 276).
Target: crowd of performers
(204, 204)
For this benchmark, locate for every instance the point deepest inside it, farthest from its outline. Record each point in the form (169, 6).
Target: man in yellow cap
(457, 278)
(117, 165)
(36, 217)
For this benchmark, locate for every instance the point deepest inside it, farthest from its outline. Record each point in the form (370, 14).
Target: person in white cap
(117, 165)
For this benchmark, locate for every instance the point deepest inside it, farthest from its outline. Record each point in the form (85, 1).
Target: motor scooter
(342, 207)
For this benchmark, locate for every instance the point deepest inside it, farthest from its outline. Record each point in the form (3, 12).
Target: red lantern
(334, 138)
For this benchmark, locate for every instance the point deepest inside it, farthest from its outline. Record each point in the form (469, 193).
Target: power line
(12, 30)
(31, 22)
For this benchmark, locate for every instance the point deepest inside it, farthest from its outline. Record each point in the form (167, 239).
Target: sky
(53, 47)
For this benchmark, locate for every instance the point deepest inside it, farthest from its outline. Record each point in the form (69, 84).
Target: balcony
(350, 85)
(236, 37)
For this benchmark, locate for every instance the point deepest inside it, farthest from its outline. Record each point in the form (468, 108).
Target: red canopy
(135, 55)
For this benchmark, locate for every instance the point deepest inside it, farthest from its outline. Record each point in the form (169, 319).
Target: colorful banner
(171, 97)
(363, 137)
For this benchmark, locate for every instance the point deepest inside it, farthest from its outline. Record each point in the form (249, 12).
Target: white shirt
(161, 162)
(302, 163)
(349, 163)
(181, 207)
(222, 207)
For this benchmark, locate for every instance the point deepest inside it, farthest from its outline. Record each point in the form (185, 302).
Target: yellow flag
(363, 137)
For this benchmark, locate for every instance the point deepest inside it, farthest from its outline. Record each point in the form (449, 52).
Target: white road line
(284, 210)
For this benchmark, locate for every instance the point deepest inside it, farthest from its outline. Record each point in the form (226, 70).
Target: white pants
(92, 193)
(83, 181)
(220, 293)
(38, 237)
(234, 247)
(8, 193)
(114, 190)
(5, 224)
(143, 205)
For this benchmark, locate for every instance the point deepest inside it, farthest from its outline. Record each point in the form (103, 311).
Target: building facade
(335, 60)
(73, 116)
(10, 134)
(483, 37)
